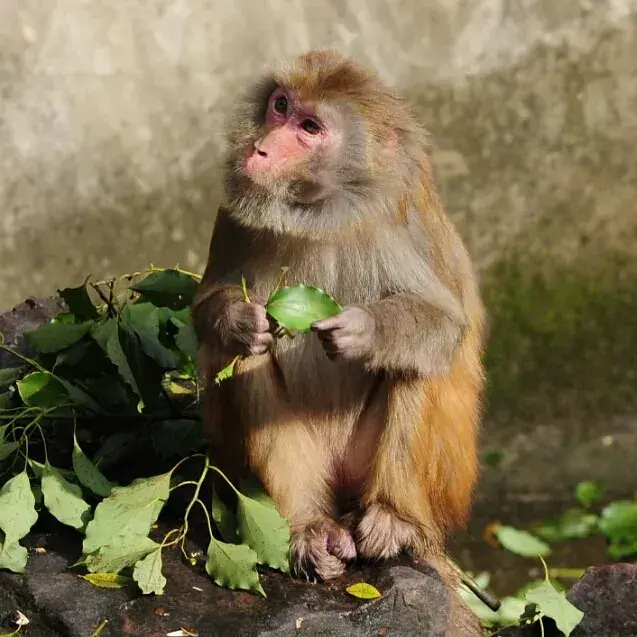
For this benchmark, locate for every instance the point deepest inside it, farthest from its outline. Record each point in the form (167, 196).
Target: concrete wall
(111, 115)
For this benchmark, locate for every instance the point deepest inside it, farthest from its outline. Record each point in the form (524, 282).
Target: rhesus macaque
(363, 430)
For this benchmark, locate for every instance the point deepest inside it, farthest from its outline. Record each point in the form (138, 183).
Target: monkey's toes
(341, 544)
(382, 534)
(325, 547)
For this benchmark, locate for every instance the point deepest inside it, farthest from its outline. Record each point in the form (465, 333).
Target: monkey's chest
(304, 380)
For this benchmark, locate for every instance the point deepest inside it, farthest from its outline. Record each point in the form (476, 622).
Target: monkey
(362, 430)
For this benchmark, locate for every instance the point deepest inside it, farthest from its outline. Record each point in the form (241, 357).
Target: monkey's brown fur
(373, 452)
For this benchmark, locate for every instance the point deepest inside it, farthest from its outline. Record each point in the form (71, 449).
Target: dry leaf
(362, 590)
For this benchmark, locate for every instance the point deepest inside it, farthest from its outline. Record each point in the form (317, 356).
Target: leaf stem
(165, 541)
(208, 520)
(195, 497)
(244, 288)
(284, 270)
(194, 455)
(183, 484)
(29, 361)
(223, 475)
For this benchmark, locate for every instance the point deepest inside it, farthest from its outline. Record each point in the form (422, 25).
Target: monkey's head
(320, 144)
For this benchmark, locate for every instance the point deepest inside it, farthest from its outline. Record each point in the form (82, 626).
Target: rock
(606, 595)
(58, 602)
(25, 317)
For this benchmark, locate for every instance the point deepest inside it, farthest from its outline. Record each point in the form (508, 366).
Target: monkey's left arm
(412, 333)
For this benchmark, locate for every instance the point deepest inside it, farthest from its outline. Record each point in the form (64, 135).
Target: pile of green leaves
(121, 365)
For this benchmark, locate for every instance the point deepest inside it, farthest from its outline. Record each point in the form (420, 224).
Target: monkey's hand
(244, 328)
(347, 336)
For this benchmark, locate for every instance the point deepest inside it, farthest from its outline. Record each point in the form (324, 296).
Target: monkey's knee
(323, 547)
(382, 533)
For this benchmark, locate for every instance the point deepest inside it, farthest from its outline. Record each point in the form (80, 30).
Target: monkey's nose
(261, 153)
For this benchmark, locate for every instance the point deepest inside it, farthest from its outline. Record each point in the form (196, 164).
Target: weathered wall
(110, 135)
(111, 115)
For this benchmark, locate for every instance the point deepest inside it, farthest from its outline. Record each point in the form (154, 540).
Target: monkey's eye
(281, 104)
(310, 127)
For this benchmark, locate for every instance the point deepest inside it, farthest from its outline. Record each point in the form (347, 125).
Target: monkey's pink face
(293, 134)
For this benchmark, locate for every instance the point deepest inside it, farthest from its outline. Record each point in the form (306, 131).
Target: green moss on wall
(563, 339)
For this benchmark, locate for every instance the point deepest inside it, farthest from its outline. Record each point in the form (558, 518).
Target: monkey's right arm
(222, 317)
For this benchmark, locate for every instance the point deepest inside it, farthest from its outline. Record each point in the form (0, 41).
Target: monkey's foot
(382, 534)
(325, 547)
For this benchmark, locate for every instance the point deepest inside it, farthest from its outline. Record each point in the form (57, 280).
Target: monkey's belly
(299, 407)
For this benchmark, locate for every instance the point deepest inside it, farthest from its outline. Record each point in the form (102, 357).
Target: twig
(100, 628)
(485, 597)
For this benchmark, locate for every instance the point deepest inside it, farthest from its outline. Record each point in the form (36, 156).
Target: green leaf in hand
(264, 530)
(233, 566)
(148, 575)
(297, 307)
(64, 499)
(88, 474)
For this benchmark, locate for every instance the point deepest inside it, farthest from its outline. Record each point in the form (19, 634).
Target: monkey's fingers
(340, 346)
(261, 325)
(276, 329)
(325, 325)
(260, 343)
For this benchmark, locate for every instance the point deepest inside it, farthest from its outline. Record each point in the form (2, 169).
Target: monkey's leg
(292, 461)
(421, 480)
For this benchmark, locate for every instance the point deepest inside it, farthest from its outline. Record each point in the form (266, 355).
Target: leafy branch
(124, 351)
